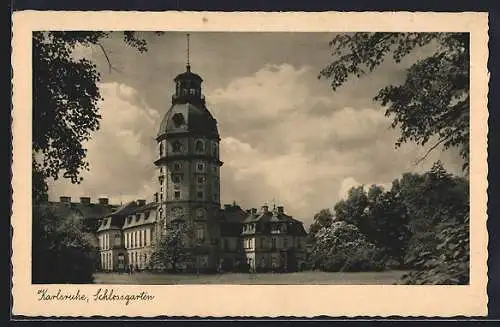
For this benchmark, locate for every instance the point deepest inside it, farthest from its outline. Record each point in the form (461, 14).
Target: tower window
(161, 149)
(177, 146)
(200, 146)
(177, 178)
(177, 195)
(178, 120)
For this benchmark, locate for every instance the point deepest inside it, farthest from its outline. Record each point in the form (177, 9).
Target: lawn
(308, 277)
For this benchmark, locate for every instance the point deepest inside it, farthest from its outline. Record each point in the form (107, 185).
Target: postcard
(210, 164)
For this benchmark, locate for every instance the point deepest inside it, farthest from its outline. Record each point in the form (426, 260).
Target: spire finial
(188, 66)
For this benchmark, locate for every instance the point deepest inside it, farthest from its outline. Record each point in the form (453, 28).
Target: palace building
(188, 191)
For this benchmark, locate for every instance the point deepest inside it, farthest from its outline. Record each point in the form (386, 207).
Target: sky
(286, 137)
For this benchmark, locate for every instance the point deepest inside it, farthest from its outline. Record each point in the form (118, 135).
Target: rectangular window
(200, 233)
(199, 195)
(201, 179)
(177, 178)
(177, 195)
(199, 166)
(285, 242)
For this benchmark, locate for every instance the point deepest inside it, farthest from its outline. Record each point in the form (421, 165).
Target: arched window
(177, 146)
(199, 146)
(178, 118)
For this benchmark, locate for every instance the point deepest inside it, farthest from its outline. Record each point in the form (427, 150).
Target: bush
(342, 247)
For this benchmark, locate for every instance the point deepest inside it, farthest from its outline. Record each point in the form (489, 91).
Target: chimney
(155, 197)
(265, 208)
(141, 202)
(65, 199)
(253, 211)
(84, 200)
(281, 209)
(103, 201)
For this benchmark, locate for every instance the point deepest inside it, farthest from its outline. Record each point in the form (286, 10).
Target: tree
(173, 248)
(433, 102)
(61, 253)
(353, 208)
(65, 104)
(388, 228)
(322, 219)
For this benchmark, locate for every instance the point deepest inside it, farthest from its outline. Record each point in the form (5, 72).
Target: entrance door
(121, 262)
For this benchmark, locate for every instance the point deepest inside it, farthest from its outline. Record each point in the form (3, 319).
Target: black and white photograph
(176, 157)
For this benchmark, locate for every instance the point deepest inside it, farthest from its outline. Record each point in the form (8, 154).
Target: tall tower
(188, 166)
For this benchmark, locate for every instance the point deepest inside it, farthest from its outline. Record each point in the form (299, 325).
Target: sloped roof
(294, 226)
(87, 211)
(141, 216)
(197, 120)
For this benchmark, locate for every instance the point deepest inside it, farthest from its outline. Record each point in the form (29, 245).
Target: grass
(307, 277)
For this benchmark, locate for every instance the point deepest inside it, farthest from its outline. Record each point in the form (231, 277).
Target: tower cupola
(188, 85)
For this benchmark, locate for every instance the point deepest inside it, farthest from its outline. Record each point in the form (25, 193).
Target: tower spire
(188, 66)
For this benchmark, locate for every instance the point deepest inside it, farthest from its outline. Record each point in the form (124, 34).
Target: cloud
(285, 137)
(120, 154)
(282, 140)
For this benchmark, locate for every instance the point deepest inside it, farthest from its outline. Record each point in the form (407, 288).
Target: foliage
(446, 263)
(172, 250)
(420, 224)
(379, 217)
(65, 103)
(61, 252)
(322, 219)
(433, 102)
(342, 247)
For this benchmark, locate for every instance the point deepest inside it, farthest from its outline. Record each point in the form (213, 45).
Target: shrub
(342, 247)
